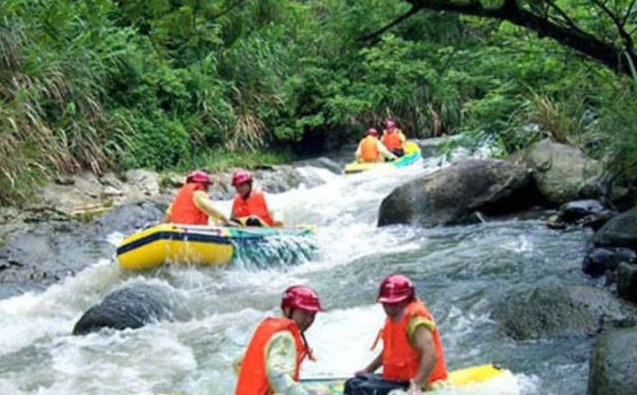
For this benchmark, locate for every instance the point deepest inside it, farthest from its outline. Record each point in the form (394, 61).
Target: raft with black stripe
(479, 379)
(412, 153)
(203, 245)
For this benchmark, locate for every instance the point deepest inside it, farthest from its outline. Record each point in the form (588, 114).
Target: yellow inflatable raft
(412, 153)
(501, 380)
(207, 245)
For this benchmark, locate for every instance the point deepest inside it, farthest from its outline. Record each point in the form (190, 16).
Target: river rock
(452, 194)
(129, 307)
(620, 231)
(601, 260)
(562, 173)
(627, 281)
(613, 366)
(48, 252)
(572, 212)
(560, 311)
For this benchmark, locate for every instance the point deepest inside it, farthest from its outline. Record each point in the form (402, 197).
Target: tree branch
(628, 12)
(412, 11)
(628, 40)
(585, 43)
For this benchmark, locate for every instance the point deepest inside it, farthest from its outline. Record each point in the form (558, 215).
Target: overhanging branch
(583, 42)
(395, 22)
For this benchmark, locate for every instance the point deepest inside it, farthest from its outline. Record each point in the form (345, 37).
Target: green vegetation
(108, 84)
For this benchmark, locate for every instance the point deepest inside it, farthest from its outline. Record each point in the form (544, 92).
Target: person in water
(370, 149)
(192, 206)
(272, 360)
(250, 206)
(393, 138)
(412, 357)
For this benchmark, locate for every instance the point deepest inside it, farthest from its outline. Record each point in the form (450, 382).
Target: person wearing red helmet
(272, 360)
(192, 206)
(370, 149)
(393, 138)
(249, 206)
(412, 356)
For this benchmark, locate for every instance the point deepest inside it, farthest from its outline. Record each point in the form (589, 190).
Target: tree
(603, 30)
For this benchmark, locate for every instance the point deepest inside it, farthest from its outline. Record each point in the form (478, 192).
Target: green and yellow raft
(461, 378)
(412, 153)
(204, 245)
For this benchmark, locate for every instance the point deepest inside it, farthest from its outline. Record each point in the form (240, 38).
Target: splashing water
(459, 272)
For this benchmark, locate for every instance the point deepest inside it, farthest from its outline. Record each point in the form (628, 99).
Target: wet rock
(613, 366)
(562, 173)
(130, 307)
(450, 195)
(129, 217)
(142, 183)
(620, 231)
(601, 260)
(573, 212)
(561, 311)
(627, 281)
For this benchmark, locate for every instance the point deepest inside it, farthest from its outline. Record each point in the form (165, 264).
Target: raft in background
(480, 379)
(213, 245)
(412, 153)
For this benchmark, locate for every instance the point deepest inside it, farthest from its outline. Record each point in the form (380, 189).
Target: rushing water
(460, 272)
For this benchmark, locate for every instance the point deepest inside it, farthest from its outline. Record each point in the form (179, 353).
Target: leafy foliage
(104, 84)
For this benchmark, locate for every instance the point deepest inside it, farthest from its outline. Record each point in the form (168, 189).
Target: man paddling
(192, 206)
(249, 206)
(412, 355)
(272, 361)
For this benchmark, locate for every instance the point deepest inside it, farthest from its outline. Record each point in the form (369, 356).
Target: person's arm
(373, 366)
(421, 338)
(358, 151)
(201, 201)
(167, 215)
(280, 364)
(402, 137)
(384, 151)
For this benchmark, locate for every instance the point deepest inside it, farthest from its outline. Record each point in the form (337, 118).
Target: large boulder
(46, 252)
(451, 195)
(613, 366)
(560, 311)
(620, 231)
(562, 173)
(601, 260)
(130, 307)
(627, 281)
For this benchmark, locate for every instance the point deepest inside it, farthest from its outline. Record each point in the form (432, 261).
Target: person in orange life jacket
(412, 357)
(370, 149)
(393, 138)
(192, 206)
(272, 360)
(249, 206)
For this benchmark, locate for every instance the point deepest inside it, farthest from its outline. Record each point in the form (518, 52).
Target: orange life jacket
(252, 376)
(369, 149)
(183, 209)
(392, 140)
(254, 205)
(400, 359)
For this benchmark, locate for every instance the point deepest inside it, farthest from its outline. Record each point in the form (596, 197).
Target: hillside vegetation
(167, 84)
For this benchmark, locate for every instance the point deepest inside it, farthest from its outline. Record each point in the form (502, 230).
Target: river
(459, 271)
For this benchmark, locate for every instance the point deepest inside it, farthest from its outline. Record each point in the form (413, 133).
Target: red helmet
(396, 288)
(200, 177)
(390, 124)
(301, 297)
(241, 176)
(372, 132)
